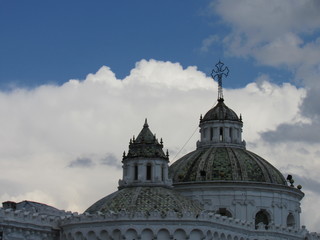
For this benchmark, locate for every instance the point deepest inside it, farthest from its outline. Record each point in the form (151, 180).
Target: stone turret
(145, 164)
(221, 126)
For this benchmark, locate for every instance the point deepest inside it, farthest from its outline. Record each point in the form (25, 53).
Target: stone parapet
(204, 221)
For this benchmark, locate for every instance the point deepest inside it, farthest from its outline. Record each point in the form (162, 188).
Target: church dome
(224, 164)
(145, 200)
(220, 112)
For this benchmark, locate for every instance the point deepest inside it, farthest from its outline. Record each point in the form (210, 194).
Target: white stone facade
(18, 225)
(243, 201)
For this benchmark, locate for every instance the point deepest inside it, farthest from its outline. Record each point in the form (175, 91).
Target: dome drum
(243, 200)
(221, 134)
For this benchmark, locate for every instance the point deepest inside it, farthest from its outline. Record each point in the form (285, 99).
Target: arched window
(262, 217)
(205, 133)
(290, 220)
(149, 168)
(162, 173)
(224, 212)
(221, 135)
(136, 172)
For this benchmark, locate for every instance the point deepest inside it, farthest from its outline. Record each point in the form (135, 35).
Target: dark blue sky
(53, 41)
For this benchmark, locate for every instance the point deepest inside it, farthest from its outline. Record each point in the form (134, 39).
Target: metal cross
(220, 72)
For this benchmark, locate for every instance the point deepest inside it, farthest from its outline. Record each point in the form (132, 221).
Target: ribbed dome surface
(145, 200)
(224, 164)
(220, 112)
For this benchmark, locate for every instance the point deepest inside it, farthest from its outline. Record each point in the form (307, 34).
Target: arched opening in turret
(204, 132)
(136, 172)
(149, 169)
(221, 134)
(231, 134)
(262, 218)
(162, 173)
(125, 172)
(224, 212)
(290, 220)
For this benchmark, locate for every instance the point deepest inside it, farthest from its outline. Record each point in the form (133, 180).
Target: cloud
(111, 160)
(208, 42)
(87, 124)
(274, 33)
(308, 183)
(301, 132)
(285, 35)
(254, 24)
(81, 162)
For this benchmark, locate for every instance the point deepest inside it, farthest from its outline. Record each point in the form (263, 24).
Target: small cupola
(145, 164)
(220, 126)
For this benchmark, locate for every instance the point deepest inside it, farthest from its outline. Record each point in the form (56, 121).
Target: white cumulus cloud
(63, 144)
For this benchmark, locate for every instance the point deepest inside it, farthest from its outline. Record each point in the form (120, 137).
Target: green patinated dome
(220, 112)
(224, 164)
(145, 200)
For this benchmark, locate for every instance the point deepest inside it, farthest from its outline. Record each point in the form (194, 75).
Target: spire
(145, 145)
(219, 72)
(145, 123)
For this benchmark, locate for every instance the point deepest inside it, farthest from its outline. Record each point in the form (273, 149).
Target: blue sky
(54, 41)
(65, 112)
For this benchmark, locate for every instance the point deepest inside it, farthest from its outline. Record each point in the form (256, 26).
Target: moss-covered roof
(145, 200)
(224, 163)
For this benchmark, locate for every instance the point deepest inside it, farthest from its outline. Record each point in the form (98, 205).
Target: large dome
(224, 164)
(145, 200)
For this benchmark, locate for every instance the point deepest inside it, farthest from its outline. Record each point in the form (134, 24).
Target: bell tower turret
(145, 164)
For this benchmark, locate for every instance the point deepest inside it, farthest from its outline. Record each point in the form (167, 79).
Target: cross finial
(220, 72)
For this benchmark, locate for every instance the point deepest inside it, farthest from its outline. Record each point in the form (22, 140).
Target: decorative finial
(161, 142)
(146, 123)
(124, 154)
(200, 117)
(167, 154)
(290, 180)
(219, 72)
